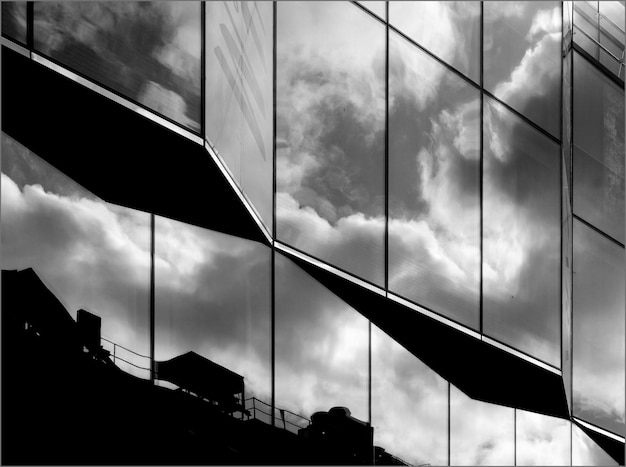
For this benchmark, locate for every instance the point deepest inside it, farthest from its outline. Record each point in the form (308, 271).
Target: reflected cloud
(541, 440)
(522, 58)
(148, 51)
(330, 119)
(65, 237)
(480, 433)
(321, 347)
(521, 232)
(409, 404)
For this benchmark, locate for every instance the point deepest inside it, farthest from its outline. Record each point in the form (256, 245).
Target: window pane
(612, 37)
(147, 51)
(330, 134)
(91, 254)
(321, 348)
(586, 32)
(377, 7)
(409, 404)
(541, 440)
(599, 149)
(14, 20)
(450, 30)
(585, 451)
(598, 353)
(213, 299)
(239, 95)
(434, 183)
(480, 433)
(521, 235)
(522, 58)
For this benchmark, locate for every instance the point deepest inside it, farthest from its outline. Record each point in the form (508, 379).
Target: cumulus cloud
(532, 78)
(409, 404)
(481, 433)
(321, 347)
(64, 238)
(128, 45)
(541, 440)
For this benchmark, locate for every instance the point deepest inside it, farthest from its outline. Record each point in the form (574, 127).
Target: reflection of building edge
(38, 118)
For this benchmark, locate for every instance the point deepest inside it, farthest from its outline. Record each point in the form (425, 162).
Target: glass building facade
(460, 163)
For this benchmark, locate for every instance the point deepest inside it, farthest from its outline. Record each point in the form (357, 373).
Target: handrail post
(114, 345)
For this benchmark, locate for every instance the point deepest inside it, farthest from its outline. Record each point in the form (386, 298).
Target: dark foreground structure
(313, 232)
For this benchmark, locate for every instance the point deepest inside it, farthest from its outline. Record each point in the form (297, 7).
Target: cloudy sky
(213, 297)
(213, 292)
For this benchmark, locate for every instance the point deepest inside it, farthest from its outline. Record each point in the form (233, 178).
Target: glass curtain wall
(212, 297)
(146, 51)
(63, 232)
(330, 141)
(240, 96)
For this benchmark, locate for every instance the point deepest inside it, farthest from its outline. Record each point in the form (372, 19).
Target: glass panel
(612, 35)
(147, 51)
(434, 183)
(239, 95)
(541, 440)
(450, 30)
(480, 433)
(90, 254)
(521, 235)
(321, 348)
(585, 451)
(409, 404)
(598, 353)
(522, 58)
(377, 7)
(599, 149)
(213, 299)
(330, 134)
(586, 32)
(14, 20)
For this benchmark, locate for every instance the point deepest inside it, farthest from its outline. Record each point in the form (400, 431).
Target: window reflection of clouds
(434, 226)
(65, 233)
(541, 440)
(148, 51)
(585, 451)
(450, 30)
(521, 235)
(330, 123)
(480, 433)
(213, 298)
(409, 404)
(522, 58)
(598, 356)
(321, 347)
(14, 20)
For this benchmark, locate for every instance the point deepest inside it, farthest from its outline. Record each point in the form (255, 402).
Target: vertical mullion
(449, 429)
(203, 70)
(561, 181)
(514, 436)
(482, 98)
(152, 293)
(387, 147)
(273, 261)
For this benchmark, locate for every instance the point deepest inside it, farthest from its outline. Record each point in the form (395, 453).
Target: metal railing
(116, 357)
(287, 420)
